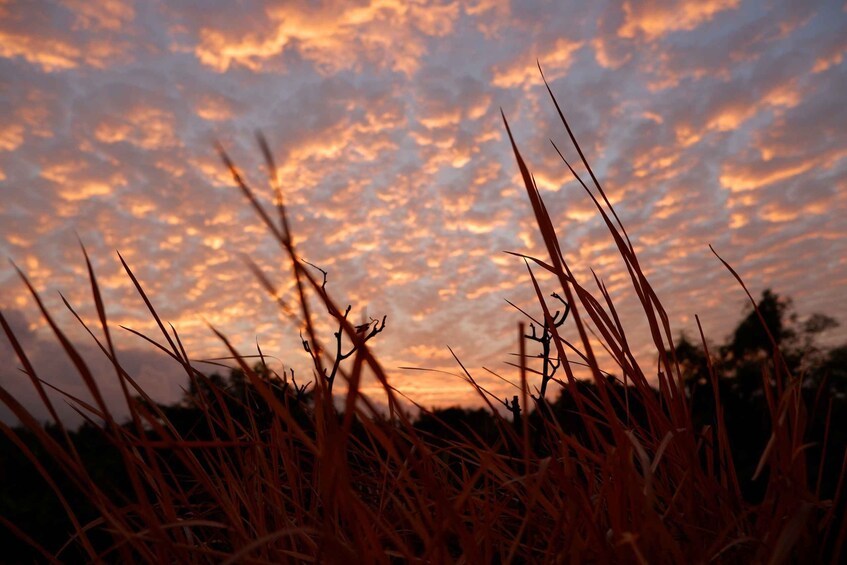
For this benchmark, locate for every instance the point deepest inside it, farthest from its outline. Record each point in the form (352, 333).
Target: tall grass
(297, 481)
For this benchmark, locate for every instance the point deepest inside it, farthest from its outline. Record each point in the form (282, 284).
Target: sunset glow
(717, 122)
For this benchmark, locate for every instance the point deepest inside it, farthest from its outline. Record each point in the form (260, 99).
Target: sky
(716, 122)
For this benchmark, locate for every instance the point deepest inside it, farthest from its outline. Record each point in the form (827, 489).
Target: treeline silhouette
(219, 406)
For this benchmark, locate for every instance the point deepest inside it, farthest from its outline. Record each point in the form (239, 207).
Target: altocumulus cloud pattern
(716, 121)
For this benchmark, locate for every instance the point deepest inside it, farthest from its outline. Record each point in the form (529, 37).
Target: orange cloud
(75, 181)
(831, 55)
(28, 32)
(655, 18)
(74, 192)
(49, 54)
(384, 32)
(110, 15)
(555, 60)
(143, 126)
(11, 137)
(429, 352)
(743, 177)
(824, 63)
(214, 109)
(604, 56)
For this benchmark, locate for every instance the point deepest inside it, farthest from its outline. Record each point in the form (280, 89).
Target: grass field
(281, 474)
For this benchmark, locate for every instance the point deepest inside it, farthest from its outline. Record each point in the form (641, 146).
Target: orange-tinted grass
(365, 487)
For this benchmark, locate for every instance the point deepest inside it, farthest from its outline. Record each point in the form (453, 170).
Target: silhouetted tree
(750, 338)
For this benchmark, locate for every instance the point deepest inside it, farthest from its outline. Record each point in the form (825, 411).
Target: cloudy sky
(716, 122)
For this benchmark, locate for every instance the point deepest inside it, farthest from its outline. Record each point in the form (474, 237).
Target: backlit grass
(280, 474)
